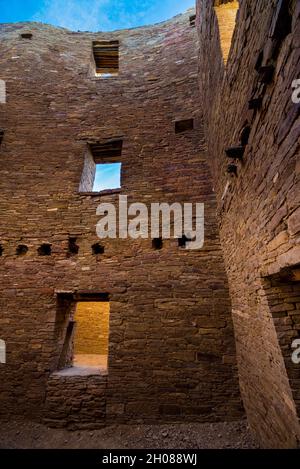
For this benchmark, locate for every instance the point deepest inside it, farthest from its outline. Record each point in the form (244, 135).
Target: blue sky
(92, 15)
(107, 177)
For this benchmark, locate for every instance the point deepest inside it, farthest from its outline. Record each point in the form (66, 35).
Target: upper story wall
(55, 105)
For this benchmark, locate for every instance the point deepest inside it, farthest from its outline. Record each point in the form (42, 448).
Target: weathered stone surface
(76, 401)
(168, 307)
(258, 209)
(294, 222)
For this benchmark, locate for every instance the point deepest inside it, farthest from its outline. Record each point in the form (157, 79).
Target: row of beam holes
(265, 65)
(22, 249)
(97, 248)
(237, 153)
(281, 27)
(46, 249)
(157, 243)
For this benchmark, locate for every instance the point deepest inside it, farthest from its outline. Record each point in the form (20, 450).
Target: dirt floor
(25, 434)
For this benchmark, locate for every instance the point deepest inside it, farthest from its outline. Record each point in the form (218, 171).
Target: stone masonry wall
(226, 15)
(283, 294)
(92, 328)
(76, 402)
(258, 209)
(171, 344)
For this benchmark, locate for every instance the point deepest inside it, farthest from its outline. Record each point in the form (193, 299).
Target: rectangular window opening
(26, 35)
(106, 57)
(91, 334)
(102, 167)
(193, 20)
(184, 125)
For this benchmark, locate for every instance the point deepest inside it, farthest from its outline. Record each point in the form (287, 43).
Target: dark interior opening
(157, 243)
(184, 125)
(21, 250)
(97, 248)
(73, 248)
(45, 250)
(26, 35)
(245, 134)
(182, 241)
(282, 21)
(107, 151)
(193, 20)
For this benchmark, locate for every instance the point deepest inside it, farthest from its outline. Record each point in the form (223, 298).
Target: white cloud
(107, 15)
(84, 15)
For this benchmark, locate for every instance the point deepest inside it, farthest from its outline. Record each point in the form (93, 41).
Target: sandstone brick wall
(92, 328)
(258, 210)
(283, 294)
(76, 402)
(171, 344)
(226, 15)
